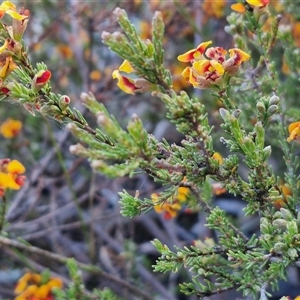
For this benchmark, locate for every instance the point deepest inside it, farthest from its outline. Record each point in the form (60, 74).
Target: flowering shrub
(240, 102)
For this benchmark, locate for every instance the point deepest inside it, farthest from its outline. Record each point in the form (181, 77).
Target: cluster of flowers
(11, 175)
(209, 65)
(32, 286)
(11, 50)
(12, 46)
(172, 206)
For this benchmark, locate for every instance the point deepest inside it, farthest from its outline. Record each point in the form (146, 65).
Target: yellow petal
(238, 7)
(126, 67)
(21, 286)
(238, 55)
(5, 5)
(16, 15)
(182, 193)
(200, 66)
(3, 71)
(218, 157)
(11, 182)
(3, 48)
(258, 2)
(4, 179)
(55, 282)
(42, 292)
(218, 67)
(29, 292)
(293, 126)
(15, 167)
(125, 84)
(186, 73)
(294, 130)
(10, 128)
(193, 54)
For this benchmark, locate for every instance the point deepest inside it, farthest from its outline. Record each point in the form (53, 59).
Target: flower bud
(106, 36)
(77, 149)
(120, 13)
(273, 109)
(293, 253)
(71, 127)
(279, 223)
(286, 214)
(40, 80)
(102, 119)
(225, 114)
(64, 102)
(280, 247)
(236, 113)
(274, 100)
(266, 152)
(260, 107)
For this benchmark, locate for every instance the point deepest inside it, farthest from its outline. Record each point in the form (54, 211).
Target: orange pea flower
(9, 8)
(31, 287)
(239, 7)
(194, 54)
(286, 191)
(218, 157)
(11, 175)
(169, 210)
(294, 131)
(210, 65)
(126, 84)
(10, 128)
(237, 57)
(172, 206)
(213, 8)
(217, 187)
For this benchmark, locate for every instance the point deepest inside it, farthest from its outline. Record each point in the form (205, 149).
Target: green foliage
(75, 290)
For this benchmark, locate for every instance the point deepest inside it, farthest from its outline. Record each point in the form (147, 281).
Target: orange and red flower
(11, 175)
(10, 128)
(40, 80)
(172, 206)
(194, 54)
(209, 65)
(126, 84)
(32, 286)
